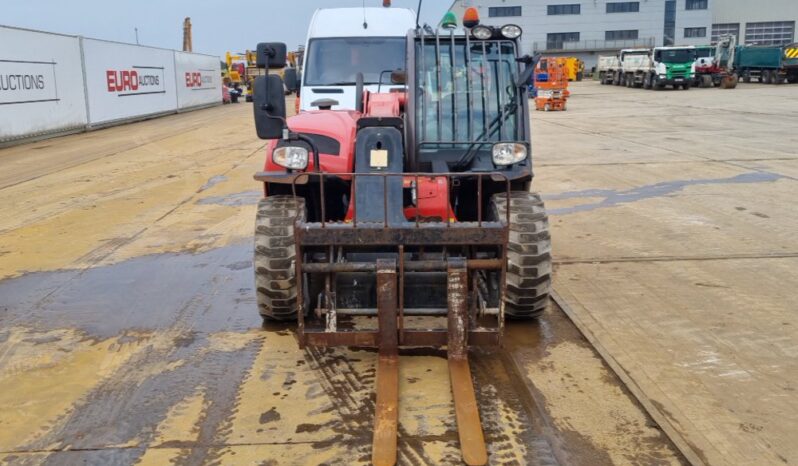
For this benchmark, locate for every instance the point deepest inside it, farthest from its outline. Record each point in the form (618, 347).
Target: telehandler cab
(413, 210)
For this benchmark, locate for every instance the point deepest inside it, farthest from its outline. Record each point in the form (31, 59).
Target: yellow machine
(574, 68)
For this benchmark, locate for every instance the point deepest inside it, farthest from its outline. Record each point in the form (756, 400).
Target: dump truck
(408, 220)
(609, 68)
(658, 67)
(767, 65)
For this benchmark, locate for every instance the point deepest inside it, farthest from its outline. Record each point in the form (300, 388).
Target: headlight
(508, 153)
(293, 157)
(511, 31)
(482, 32)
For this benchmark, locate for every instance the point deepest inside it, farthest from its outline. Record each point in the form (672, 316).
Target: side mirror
(269, 106)
(271, 55)
(290, 78)
(399, 77)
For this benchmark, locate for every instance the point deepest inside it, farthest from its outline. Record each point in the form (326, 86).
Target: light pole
(137, 35)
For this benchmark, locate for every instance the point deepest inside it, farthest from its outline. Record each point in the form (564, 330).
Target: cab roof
(348, 22)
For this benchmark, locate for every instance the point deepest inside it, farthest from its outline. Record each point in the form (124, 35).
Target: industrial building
(587, 29)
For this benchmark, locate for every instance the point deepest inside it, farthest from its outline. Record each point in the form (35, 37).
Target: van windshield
(336, 61)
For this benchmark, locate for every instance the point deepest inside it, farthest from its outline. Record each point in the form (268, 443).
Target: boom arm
(725, 51)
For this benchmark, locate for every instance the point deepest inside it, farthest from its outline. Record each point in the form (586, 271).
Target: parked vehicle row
(682, 67)
(654, 68)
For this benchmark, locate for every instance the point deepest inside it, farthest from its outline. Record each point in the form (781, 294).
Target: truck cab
(344, 41)
(673, 66)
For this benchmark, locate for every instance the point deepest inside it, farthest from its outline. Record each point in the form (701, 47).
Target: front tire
(528, 254)
(275, 256)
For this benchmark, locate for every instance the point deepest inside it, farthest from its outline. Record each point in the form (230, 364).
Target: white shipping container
(41, 84)
(199, 80)
(126, 81)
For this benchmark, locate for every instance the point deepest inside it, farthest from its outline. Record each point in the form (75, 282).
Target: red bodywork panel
(432, 196)
(432, 192)
(339, 125)
(384, 104)
(432, 199)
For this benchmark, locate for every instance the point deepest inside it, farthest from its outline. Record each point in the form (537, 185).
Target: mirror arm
(288, 134)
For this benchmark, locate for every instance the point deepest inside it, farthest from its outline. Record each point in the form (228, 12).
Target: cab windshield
(336, 61)
(676, 56)
(466, 95)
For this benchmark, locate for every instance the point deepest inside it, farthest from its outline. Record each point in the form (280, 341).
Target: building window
(770, 33)
(621, 35)
(695, 32)
(573, 9)
(623, 7)
(723, 29)
(669, 31)
(696, 5)
(500, 11)
(557, 39)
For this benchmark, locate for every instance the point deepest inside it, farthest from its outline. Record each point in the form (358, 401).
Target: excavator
(409, 219)
(719, 69)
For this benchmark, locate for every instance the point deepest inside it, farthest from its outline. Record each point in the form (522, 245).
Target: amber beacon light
(471, 17)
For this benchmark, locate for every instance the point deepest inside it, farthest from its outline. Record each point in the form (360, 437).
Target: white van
(339, 46)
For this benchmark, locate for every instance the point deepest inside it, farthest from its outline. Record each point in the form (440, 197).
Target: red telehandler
(409, 220)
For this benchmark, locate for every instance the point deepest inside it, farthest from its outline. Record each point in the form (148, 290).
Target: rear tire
(275, 256)
(528, 254)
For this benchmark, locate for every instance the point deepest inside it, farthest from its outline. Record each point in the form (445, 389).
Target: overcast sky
(217, 26)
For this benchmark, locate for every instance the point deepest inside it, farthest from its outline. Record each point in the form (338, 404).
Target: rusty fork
(386, 416)
(469, 427)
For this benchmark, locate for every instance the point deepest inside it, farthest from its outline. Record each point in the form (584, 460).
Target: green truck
(767, 65)
(658, 67)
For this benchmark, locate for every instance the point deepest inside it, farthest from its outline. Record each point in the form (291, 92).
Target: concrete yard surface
(675, 234)
(129, 332)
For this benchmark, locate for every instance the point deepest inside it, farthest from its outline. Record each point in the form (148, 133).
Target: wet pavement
(674, 235)
(129, 333)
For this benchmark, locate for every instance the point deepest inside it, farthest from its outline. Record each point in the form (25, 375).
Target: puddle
(213, 181)
(613, 197)
(234, 200)
(210, 291)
